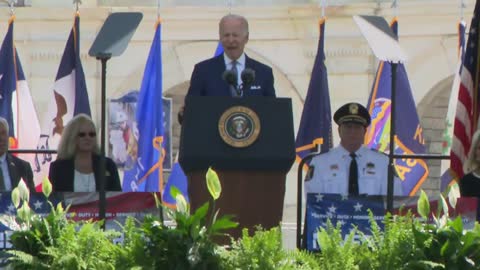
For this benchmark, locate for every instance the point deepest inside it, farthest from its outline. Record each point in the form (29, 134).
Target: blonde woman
(77, 166)
(470, 182)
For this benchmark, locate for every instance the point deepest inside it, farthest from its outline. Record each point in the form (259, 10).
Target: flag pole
(391, 161)
(160, 171)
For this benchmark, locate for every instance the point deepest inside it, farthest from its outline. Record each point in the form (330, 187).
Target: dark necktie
(234, 69)
(2, 180)
(353, 176)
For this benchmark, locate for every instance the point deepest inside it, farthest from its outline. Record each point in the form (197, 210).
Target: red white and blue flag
(448, 177)
(68, 98)
(16, 103)
(466, 117)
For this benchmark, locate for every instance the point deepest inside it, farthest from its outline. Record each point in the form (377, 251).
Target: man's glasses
(83, 134)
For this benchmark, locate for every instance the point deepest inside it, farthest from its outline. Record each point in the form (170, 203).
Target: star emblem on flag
(358, 207)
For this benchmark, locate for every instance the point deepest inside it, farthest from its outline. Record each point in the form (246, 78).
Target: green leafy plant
(444, 244)
(53, 241)
(188, 244)
(336, 252)
(390, 248)
(263, 251)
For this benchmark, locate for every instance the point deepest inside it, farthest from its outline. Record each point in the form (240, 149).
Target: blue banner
(316, 122)
(147, 174)
(409, 134)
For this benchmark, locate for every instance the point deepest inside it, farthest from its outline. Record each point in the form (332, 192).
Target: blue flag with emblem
(177, 177)
(316, 121)
(409, 134)
(147, 173)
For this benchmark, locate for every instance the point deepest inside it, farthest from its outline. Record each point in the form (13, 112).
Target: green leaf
(24, 192)
(224, 222)
(46, 187)
(423, 205)
(24, 212)
(457, 225)
(200, 213)
(213, 184)
(453, 195)
(16, 197)
(444, 204)
(174, 191)
(182, 205)
(158, 203)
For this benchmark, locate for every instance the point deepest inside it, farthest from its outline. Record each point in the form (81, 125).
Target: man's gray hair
(234, 17)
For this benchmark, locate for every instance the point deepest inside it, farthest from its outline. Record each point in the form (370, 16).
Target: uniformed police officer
(351, 168)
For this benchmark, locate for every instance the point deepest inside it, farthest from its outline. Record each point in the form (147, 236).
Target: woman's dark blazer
(61, 174)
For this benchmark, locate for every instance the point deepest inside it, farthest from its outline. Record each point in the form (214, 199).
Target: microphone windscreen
(248, 76)
(230, 77)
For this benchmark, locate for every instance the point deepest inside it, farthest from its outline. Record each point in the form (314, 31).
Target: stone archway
(432, 111)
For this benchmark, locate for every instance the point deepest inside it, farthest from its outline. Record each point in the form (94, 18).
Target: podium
(250, 143)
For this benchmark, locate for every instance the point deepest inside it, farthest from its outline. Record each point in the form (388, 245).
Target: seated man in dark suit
(209, 76)
(12, 169)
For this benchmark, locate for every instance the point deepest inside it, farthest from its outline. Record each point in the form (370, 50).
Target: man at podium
(232, 73)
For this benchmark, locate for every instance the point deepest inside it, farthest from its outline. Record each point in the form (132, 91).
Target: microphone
(230, 77)
(248, 76)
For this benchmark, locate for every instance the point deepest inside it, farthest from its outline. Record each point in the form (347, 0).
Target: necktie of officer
(234, 69)
(353, 176)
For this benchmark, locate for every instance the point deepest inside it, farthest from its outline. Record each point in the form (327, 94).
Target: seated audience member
(12, 168)
(77, 167)
(470, 182)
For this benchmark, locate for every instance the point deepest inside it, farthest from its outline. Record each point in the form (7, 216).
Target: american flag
(466, 118)
(349, 212)
(447, 178)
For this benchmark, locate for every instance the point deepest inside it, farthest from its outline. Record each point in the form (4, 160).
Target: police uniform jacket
(331, 171)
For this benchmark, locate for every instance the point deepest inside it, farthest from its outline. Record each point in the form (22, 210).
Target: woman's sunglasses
(83, 134)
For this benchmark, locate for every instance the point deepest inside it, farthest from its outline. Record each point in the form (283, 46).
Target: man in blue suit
(207, 77)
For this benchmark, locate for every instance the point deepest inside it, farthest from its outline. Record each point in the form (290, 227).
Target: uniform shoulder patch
(379, 152)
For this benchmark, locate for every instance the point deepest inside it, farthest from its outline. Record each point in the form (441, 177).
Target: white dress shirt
(84, 182)
(240, 66)
(331, 170)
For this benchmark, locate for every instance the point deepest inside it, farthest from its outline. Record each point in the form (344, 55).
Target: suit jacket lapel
(220, 68)
(69, 170)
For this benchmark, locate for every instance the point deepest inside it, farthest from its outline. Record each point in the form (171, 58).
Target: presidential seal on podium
(239, 126)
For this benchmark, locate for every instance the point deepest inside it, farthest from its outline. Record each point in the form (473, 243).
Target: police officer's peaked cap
(352, 112)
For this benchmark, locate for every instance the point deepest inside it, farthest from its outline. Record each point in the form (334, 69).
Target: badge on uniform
(309, 175)
(334, 169)
(370, 168)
